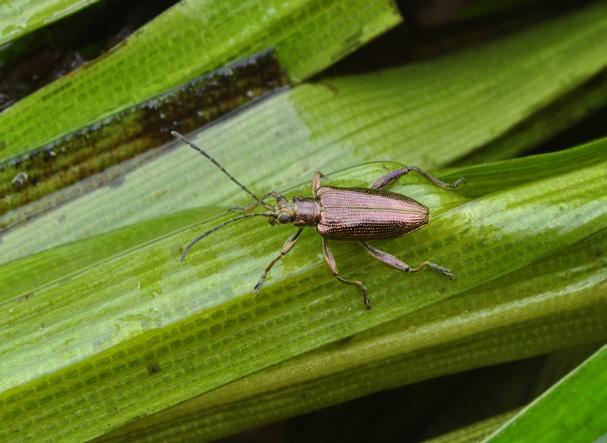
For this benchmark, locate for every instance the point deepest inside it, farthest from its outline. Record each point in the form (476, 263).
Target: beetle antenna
(216, 163)
(221, 225)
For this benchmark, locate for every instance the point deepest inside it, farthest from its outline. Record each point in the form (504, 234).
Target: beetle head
(284, 211)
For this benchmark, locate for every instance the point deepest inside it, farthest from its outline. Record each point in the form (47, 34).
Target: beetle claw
(450, 275)
(446, 272)
(366, 298)
(457, 183)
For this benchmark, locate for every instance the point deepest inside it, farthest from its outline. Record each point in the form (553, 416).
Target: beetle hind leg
(391, 177)
(397, 263)
(333, 267)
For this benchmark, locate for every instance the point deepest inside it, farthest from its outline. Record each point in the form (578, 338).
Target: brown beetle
(354, 214)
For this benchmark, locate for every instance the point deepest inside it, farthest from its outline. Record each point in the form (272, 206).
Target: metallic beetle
(354, 214)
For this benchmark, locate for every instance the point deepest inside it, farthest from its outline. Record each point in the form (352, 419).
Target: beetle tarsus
(257, 287)
(446, 272)
(457, 183)
(361, 286)
(366, 298)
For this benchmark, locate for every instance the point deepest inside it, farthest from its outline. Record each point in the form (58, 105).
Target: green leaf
(418, 114)
(191, 38)
(105, 146)
(21, 276)
(475, 432)
(547, 122)
(556, 302)
(18, 17)
(573, 410)
(142, 331)
(24, 275)
(131, 331)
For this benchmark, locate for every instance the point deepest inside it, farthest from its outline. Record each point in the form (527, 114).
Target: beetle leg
(390, 177)
(333, 267)
(316, 182)
(288, 245)
(247, 208)
(254, 204)
(396, 263)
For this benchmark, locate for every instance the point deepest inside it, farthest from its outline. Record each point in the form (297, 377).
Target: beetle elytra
(354, 214)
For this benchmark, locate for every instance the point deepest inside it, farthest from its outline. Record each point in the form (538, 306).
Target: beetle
(352, 214)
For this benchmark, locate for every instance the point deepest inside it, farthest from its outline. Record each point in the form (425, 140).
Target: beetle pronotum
(354, 214)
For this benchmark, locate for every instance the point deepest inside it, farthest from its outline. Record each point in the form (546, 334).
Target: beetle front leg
(288, 245)
(254, 204)
(248, 208)
(396, 263)
(333, 267)
(395, 175)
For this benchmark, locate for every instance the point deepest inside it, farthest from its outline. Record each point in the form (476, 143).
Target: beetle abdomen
(367, 214)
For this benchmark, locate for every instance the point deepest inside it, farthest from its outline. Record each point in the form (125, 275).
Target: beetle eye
(284, 218)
